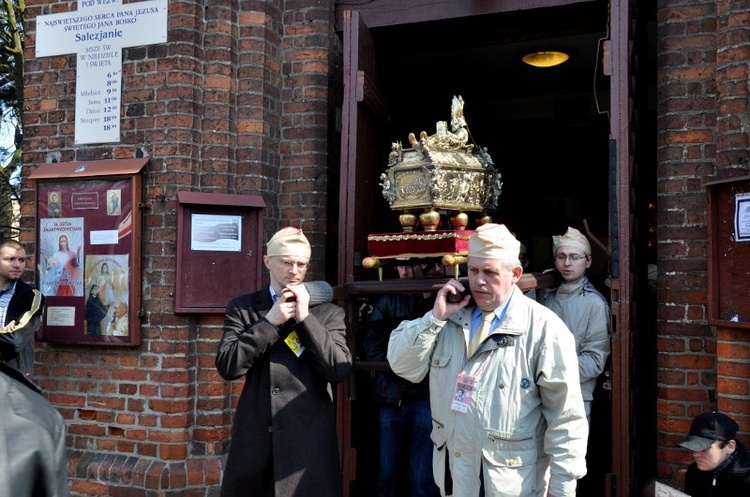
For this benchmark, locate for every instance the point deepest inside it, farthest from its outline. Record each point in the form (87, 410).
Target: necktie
(482, 333)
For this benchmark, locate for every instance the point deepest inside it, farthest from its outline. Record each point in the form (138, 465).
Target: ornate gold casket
(436, 181)
(441, 173)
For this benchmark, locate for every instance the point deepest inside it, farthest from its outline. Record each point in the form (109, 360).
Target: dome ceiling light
(545, 58)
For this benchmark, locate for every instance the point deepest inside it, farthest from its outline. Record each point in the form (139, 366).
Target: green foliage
(11, 112)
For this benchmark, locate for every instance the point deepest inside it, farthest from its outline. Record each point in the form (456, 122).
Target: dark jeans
(405, 429)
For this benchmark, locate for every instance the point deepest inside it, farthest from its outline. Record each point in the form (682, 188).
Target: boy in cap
(583, 309)
(519, 429)
(290, 349)
(722, 464)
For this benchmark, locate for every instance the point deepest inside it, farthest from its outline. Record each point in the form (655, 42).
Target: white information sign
(60, 316)
(103, 237)
(216, 233)
(742, 217)
(97, 33)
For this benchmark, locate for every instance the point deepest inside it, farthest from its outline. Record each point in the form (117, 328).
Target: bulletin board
(729, 252)
(219, 249)
(88, 254)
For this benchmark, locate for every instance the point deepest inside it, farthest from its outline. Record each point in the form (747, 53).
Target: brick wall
(237, 101)
(703, 51)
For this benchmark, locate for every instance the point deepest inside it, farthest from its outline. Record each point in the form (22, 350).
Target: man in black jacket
(290, 349)
(722, 464)
(20, 309)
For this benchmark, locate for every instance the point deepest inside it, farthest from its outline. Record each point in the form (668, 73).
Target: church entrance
(548, 131)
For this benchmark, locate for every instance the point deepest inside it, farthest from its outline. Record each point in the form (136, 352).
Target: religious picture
(107, 284)
(54, 209)
(118, 327)
(113, 203)
(61, 255)
(94, 311)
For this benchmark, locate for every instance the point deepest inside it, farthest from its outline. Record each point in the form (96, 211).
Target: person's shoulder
(248, 299)
(12, 374)
(26, 400)
(590, 291)
(544, 321)
(743, 461)
(326, 308)
(22, 287)
(535, 307)
(27, 295)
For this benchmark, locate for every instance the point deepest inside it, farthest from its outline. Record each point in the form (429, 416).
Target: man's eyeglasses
(572, 257)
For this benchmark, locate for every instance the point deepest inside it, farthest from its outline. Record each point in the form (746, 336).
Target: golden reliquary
(441, 175)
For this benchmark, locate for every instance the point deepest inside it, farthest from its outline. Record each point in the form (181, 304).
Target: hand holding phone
(454, 295)
(455, 298)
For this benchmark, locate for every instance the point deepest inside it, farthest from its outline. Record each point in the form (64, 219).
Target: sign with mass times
(97, 33)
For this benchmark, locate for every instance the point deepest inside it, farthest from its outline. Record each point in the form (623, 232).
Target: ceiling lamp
(545, 58)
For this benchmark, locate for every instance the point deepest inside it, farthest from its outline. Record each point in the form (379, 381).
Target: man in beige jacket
(519, 428)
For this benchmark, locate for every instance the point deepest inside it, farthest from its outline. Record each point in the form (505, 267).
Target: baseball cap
(707, 428)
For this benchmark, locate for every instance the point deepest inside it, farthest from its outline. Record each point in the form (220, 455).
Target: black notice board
(219, 249)
(729, 252)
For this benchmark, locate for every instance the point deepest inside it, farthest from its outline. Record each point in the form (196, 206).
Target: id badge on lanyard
(466, 388)
(462, 393)
(292, 341)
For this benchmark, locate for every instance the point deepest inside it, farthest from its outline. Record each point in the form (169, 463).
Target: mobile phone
(454, 298)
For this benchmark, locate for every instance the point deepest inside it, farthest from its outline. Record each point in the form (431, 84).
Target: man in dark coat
(290, 351)
(20, 309)
(722, 464)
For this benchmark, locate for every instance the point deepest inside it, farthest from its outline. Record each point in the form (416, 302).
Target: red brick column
(686, 159)
(309, 100)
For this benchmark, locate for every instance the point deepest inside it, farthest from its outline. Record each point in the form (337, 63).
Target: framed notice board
(729, 252)
(89, 250)
(219, 249)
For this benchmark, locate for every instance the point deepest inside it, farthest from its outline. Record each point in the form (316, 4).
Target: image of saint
(113, 203)
(54, 209)
(105, 283)
(62, 275)
(95, 311)
(119, 324)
